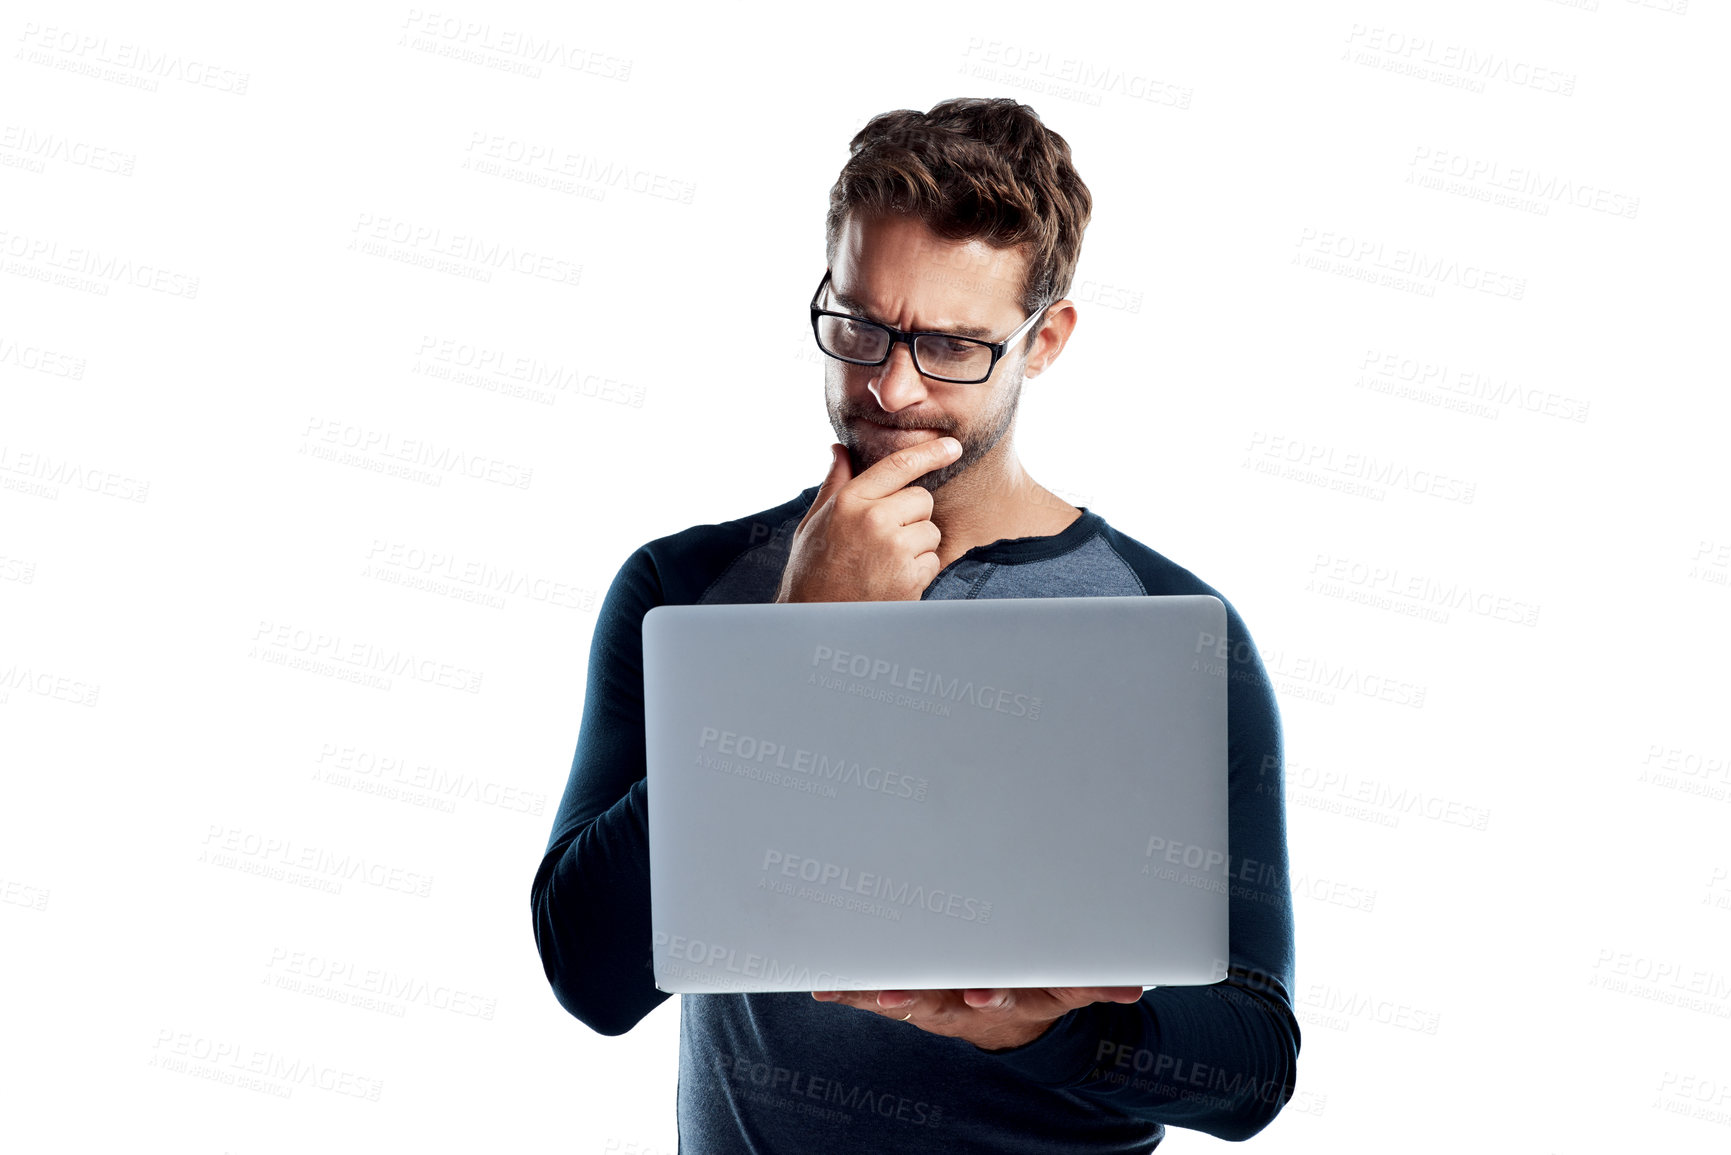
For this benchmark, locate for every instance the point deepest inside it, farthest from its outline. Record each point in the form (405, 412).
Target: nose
(896, 383)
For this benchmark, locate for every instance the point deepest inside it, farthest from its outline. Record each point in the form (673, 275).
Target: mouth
(889, 438)
(895, 428)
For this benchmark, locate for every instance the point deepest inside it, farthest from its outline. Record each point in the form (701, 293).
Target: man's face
(895, 270)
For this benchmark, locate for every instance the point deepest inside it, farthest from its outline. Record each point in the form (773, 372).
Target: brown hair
(972, 168)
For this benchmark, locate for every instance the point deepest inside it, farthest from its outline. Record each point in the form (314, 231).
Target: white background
(1509, 836)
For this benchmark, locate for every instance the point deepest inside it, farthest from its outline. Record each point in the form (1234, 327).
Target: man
(964, 224)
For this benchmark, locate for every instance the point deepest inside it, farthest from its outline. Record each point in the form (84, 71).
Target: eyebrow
(854, 304)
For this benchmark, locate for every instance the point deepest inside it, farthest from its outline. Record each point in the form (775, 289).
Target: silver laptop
(1004, 792)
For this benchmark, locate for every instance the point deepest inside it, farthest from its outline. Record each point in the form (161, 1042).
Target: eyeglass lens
(937, 355)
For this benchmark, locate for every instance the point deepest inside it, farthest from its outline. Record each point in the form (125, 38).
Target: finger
(920, 547)
(920, 537)
(900, 468)
(891, 1004)
(1066, 999)
(909, 506)
(840, 473)
(919, 573)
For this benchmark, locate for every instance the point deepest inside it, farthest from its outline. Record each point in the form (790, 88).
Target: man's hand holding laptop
(991, 1019)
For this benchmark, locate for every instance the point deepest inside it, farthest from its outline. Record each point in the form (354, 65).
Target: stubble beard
(974, 447)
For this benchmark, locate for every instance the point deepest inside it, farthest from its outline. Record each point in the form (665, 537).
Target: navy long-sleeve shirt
(782, 1072)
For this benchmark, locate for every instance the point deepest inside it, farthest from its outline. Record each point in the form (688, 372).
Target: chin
(934, 481)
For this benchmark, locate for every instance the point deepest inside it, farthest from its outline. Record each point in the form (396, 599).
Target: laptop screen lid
(1004, 792)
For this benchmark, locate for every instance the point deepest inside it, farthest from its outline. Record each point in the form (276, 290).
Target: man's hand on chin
(993, 1019)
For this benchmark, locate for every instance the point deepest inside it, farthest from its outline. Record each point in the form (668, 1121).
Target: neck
(993, 500)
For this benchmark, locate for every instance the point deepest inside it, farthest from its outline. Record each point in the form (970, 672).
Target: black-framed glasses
(941, 356)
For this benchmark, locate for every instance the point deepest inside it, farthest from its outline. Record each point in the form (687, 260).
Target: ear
(1054, 333)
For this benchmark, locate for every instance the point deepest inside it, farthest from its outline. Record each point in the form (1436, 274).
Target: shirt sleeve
(590, 898)
(1221, 1058)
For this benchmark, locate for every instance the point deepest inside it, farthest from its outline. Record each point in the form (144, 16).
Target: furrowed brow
(855, 305)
